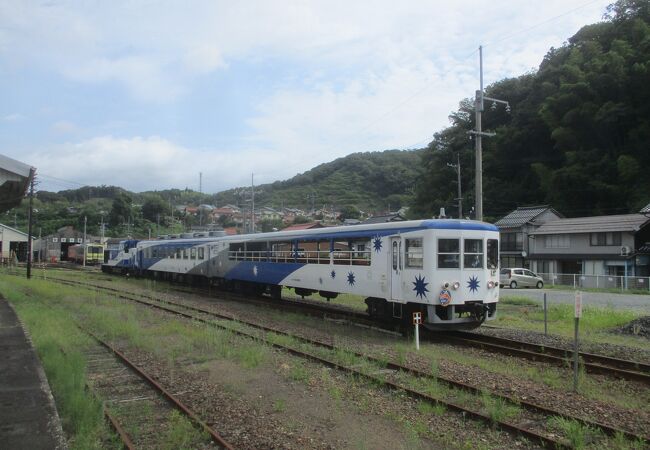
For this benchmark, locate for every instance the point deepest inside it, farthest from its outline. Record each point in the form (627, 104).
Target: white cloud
(146, 163)
(12, 117)
(64, 127)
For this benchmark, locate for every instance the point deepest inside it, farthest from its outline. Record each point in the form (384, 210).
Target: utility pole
(30, 213)
(252, 203)
(479, 133)
(85, 245)
(460, 195)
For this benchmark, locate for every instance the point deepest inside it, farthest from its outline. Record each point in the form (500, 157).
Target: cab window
(448, 253)
(492, 253)
(473, 257)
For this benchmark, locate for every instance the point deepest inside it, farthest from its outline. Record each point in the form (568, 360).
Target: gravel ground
(629, 419)
(638, 327)
(613, 350)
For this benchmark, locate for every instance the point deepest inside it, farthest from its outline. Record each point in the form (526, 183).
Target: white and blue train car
(447, 270)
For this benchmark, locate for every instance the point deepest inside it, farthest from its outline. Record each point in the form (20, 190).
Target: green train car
(95, 253)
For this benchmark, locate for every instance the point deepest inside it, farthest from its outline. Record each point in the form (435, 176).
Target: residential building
(303, 226)
(392, 217)
(515, 229)
(13, 244)
(599, 245)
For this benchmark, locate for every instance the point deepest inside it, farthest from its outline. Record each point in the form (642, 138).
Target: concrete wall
(579, 245)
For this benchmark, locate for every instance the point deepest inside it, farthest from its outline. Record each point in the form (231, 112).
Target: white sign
(578, 305)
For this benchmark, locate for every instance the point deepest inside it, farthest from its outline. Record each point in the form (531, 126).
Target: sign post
(577, 315)
(417, 320)
(545, 317)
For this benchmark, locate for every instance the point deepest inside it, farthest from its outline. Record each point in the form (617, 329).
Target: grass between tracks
(58, 345)
(181, 341)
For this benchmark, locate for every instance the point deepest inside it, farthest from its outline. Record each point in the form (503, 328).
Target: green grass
(518, 301)
(565, 287)
(499, 409)
(181, 434)
(57, 342)
(574, 431)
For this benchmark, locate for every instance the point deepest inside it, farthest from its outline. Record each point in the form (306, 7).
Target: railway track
(540, 413)
(592, 363)
(137, 407)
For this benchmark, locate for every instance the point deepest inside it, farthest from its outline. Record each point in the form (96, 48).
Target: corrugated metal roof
(595, 224)
(521, 216)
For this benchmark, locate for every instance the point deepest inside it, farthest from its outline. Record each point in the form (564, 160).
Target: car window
(529, 273)
(505, 271)
(519, 272)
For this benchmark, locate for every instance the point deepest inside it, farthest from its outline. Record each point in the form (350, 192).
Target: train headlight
(456, 285)
(445, 285)
(491, 284)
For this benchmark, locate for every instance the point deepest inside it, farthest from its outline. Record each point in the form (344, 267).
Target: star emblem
(351, 278)
(333, 274)
(376, 243)
(255, 270)
(420, 286)
(473, 284)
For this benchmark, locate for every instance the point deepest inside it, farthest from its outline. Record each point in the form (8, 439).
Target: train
(444, 269)
(94, 253)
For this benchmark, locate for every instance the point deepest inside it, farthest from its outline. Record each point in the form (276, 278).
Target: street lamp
(479, 133)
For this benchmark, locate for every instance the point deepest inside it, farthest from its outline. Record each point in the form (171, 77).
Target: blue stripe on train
(262, 272)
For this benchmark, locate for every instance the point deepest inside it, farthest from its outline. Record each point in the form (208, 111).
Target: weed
(180, 434)
(299, 373)
(574, 431)
(498, 408)
(280, 405)
(251, 355)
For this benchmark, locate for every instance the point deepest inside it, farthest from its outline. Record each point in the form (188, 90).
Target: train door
(396, 268)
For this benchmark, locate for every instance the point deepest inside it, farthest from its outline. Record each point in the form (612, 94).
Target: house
(13, 243)
(267, 213)
(303, 226)
(515, 229)
(393, 217)
(599, 245)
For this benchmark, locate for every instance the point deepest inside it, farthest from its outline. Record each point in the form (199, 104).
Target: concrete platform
(28, 416)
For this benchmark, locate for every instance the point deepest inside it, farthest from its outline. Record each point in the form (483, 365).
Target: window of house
(556, 241)
(604, 239)
(448, 253)
(512, 241)
(473, 255)
(414, 253)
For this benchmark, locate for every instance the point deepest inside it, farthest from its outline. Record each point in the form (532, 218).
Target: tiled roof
(303, 226)
(595, 224)
(521, 216)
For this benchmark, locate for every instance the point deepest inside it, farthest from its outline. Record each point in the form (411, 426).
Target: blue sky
(147, 94)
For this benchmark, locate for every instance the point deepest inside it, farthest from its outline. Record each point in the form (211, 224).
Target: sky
(148, 94)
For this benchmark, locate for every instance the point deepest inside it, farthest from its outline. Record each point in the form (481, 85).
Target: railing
(357, 258)
(577, 280)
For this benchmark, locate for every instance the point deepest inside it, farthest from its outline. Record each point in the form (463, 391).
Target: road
(617, 301)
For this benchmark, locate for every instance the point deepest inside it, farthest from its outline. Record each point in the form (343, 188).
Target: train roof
(343, 232)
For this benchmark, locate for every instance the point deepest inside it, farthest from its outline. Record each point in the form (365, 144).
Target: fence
(577, 280)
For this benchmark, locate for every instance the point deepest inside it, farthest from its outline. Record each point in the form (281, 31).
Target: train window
(184, 253)
(492, 253)
(201, 253)
(178, 253)
(473, 257)
(448, 253)
(395, 252)
(155, 253)
(193, 253)
(414, 253)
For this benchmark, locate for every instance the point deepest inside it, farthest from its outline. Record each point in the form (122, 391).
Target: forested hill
(578, 136)
(371, 181)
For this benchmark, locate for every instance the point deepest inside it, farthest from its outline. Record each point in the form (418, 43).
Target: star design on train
(473, 284)
(333, 274)
(376, 243)
(420, 286)
(255, 270)
(351, 278)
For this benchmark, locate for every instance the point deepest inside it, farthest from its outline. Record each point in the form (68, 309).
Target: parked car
(519, 277)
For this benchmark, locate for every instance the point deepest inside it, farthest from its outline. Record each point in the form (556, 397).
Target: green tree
(155, 209)
(121, 209)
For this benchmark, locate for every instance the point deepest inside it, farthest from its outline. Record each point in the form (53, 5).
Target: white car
(520, 277)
